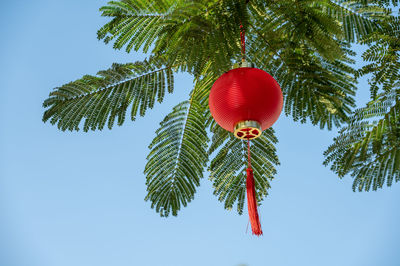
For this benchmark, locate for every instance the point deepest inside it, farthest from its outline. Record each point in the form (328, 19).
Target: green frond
(315, 89)
(228, 167)
(369, 147)
(302, 53)
(386, 3)
(296, 22)
(210, 32)
(383, 55)
(190, 34)
(107, 96)
(303, 44)
(357, 18)
(320, 91)
(178, 156)
(135, 23)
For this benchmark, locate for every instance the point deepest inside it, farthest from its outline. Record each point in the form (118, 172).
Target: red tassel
(252, 204)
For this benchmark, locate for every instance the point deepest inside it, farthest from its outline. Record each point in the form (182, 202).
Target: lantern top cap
(243, 63)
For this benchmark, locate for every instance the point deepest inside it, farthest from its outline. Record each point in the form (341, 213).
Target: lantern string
(248, 154)
(243, 41)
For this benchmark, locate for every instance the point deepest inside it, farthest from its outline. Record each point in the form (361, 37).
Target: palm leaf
(107, 96)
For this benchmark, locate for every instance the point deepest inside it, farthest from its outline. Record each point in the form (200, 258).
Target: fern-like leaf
(316, 78)
(228, 167)
(369, 147)
(383, 55)
(189, 33)
(107, 96)
(357, 18)
(178, 156)
(135, 23)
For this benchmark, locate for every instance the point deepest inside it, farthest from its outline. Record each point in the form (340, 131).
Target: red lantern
(246, 98)
(246, 101)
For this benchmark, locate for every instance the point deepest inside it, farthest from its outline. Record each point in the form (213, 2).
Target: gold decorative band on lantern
(247, 129)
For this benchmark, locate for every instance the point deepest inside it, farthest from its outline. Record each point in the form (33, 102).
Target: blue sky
(77, 198)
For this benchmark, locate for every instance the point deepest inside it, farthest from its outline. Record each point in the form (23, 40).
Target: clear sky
(76, 199)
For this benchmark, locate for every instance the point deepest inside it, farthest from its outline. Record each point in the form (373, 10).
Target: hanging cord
(248, 154)
(243, 42)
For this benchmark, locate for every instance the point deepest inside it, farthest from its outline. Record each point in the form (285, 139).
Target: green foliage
(296, 23)
(315, 85)
(135, 24)
(303, 44)
(357, 18)
(319, 90)
(314, 89)
(178, 157)
(383, 56)
(369, 147)
(386, 3)
(207, 29)
(228, 167)
(107, 96)
(321, 25)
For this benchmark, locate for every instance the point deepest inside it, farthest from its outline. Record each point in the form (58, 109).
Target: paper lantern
(246, 101)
